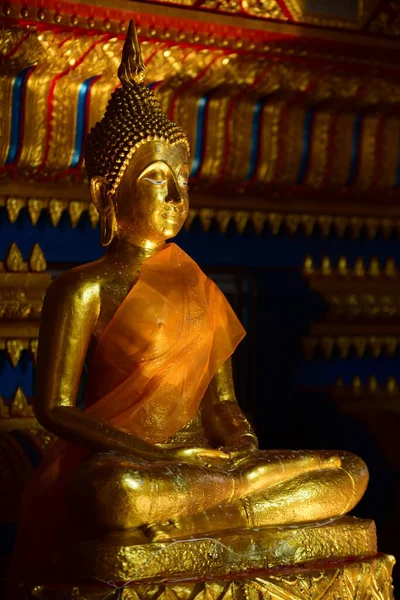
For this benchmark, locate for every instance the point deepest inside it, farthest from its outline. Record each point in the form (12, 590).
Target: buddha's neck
(127, 255)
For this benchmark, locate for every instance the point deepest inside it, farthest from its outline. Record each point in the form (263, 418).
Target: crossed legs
(111, 492)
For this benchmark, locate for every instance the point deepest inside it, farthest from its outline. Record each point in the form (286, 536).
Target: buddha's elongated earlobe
(108, 226)
(103, 200)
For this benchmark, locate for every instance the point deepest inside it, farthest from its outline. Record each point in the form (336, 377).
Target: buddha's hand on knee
(201, 457)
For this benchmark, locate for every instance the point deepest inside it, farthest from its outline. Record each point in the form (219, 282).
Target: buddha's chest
(113, 293)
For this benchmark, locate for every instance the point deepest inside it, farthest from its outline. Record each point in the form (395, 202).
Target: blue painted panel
(255, 138)
(324, 373)
(21, 376)
(198, 149)
(59, 244)
(17, 118)
(81, 121)
(80, 245)
(305, 151)
(355, 146)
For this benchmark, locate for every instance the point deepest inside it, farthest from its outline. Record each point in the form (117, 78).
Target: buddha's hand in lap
(224, 457)
(201, 457)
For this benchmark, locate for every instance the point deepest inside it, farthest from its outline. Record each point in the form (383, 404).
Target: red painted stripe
(333, 48)
(188, 85)
(78, 167)
(156, 50)
(354, 182)
(283, 120)
(229, 113)
(378, 148)
(377, 152)
(252, 179)
(330, 148)
(382, 5)
(332, 132)
(231, 108)
(160, 84)
(13, 50)
(285, 10)
(13, 167)
(23, 112)
(50, 98)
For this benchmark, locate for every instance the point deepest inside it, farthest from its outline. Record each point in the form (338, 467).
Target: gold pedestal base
(128, 556)
(337, 560)
(365, 579)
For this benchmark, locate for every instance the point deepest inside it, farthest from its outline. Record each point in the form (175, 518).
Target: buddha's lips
(171, 213)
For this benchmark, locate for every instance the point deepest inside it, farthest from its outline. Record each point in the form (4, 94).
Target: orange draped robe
(149, 373)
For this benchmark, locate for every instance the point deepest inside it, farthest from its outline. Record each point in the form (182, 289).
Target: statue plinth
(334, 560)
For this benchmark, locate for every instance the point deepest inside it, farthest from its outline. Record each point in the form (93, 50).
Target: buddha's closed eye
(158, 181)
(155, 181)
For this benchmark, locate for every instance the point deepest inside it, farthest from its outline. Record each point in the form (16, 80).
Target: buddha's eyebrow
(153, 166)
(160, 164)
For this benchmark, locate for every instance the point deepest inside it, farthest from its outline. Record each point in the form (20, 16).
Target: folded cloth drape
(149, 373)
(162, 347)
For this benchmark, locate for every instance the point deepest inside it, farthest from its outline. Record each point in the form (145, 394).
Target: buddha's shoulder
(81, 285)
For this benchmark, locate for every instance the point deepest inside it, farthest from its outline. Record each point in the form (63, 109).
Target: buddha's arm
(223, 419)
(70, 312)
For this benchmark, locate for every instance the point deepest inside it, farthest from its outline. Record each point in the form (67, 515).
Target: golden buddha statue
(162, 446)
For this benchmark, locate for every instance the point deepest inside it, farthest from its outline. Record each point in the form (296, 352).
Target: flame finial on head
(133, 117)
(132, 67)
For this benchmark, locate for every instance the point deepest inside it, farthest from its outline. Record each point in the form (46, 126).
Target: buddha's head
(137, 161)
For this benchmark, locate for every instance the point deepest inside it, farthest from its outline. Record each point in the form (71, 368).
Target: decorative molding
(359, 270)
(371, 388)
(261, 213)
(23, 285)
(17, 414)
(368, 396)
(22, 288)
(302, 112)
(19, 407)
(345, 345)
(363, 395)
(93, 14)
(14, 262)
(14, 347)
(319, 581)
(54, 207)
(363, 307)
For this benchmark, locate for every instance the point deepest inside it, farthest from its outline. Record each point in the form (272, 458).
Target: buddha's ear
(99, 190)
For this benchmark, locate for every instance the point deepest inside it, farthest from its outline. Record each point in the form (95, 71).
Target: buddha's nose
(174, 195)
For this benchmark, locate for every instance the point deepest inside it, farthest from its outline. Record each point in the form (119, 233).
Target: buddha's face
(151, 202)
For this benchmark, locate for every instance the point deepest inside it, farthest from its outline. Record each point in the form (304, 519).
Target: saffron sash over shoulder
(161, 349)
